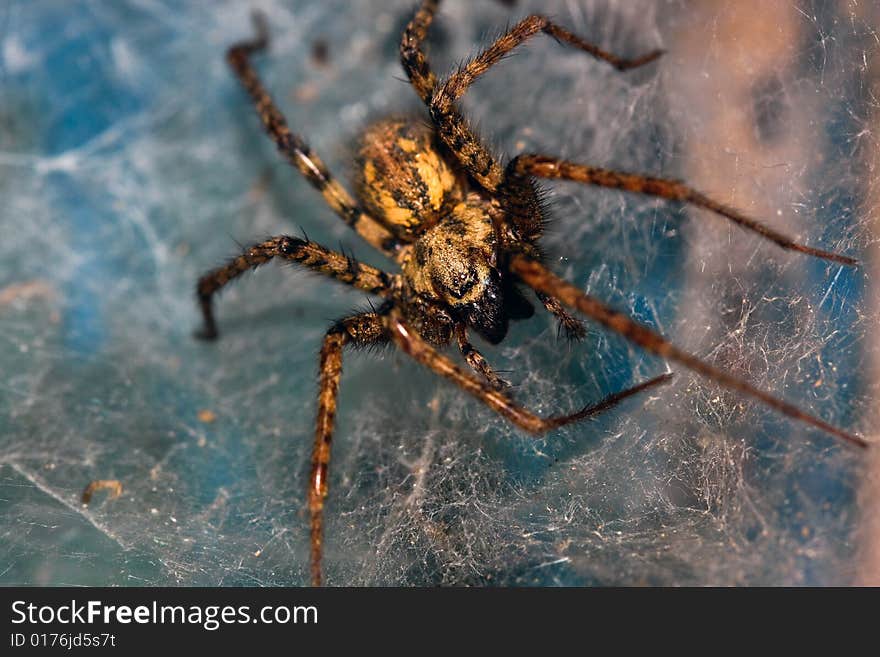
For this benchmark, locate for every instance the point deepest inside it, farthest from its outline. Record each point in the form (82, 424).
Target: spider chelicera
(464, 231)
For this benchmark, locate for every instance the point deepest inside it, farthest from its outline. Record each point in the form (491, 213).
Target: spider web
(131, 162)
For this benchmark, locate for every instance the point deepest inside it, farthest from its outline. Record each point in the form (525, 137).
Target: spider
(464, 230)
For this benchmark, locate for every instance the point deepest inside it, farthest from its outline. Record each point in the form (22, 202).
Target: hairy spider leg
(523, 166)
(359, 330)
(476, 361)
(451, 126)
(296, 150)
(413, 345)
(454, 87)
(538, 277)
(573, 327)
(412, 56)
(310, 254)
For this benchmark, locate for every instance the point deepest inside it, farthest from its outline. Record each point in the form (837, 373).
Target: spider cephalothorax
(464, 232)
(455, 265)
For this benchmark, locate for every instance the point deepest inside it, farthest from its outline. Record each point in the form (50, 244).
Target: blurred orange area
(869, 566)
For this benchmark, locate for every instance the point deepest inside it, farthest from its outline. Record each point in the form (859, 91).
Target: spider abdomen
(403, 178)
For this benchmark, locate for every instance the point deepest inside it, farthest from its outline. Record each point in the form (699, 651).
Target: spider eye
(462, 283)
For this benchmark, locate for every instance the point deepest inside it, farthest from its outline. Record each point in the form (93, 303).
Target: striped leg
(413, 345)
(449, 122)
(296, 150)
(452, 127)
(312, 255)
(413, 58)
(476, 361)
(539, 278)
(457, 84)
(573, 327)
(521, 168)
(364, 329)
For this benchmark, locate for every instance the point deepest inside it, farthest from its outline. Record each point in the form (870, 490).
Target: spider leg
(451, 126)
(314, 256)
(477, 361)
(455, 86)
(413, 58)
(523, 166)
(296, 150)
(359, 330)
(573, 327)
(413, 345)
(535, 275)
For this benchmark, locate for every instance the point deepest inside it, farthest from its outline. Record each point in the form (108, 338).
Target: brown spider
(464, 230)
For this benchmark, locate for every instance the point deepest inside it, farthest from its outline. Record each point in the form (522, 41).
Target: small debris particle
(25, 291)
(320, 52)
(112, 485)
